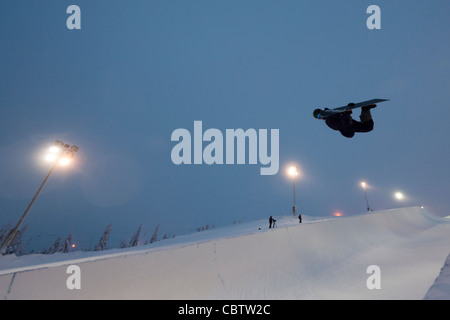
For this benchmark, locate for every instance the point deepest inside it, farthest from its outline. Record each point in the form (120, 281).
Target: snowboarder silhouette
(346, 125)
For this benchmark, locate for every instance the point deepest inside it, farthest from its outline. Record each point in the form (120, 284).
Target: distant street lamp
(364, 185)
(293, 172)
(399, 196)
(59, 153)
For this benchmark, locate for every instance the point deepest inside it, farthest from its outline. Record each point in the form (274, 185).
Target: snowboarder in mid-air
(347, 126)
(340, 118)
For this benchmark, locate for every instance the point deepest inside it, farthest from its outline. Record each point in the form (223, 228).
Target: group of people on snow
(272, 221)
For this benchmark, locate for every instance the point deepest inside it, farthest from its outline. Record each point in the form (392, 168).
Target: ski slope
(326, 259)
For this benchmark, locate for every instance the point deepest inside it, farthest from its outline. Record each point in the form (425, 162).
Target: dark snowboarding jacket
(344, 123)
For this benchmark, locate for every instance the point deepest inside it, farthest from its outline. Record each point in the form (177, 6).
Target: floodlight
(59, 153)
(399, 196)
(292, 171)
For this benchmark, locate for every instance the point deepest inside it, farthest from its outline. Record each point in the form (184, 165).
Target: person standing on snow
(272, 222)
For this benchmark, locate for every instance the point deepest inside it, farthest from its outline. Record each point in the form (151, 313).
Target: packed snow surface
(321, 259)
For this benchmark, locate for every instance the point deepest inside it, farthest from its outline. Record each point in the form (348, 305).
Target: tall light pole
(61, 154)
(293, 172)
(364, 185)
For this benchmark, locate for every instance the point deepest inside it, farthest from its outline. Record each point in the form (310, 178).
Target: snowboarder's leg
(333, 122)
(365, 113)
(366, 124)
(347, 128)
(341, 122)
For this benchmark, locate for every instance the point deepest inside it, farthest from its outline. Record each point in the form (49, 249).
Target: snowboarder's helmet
(316, 113)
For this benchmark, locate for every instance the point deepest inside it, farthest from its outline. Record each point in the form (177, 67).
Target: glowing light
(399, 196)
(50, 157)
(292, 171)
(337, 214)
(73, 245)
(64, 161)
(54, 149)
(62, 153)
(363, 184)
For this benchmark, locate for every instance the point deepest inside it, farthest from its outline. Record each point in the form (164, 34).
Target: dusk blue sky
(138, 70)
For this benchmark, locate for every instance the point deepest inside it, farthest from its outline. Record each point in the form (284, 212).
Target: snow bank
(440, 290)
(317, 260)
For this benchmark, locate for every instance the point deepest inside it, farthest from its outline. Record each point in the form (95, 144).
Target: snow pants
(345, 124)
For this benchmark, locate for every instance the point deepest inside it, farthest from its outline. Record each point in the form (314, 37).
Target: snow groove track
(317, 260)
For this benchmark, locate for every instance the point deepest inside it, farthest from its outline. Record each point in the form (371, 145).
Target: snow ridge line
(10, 286)
(440, 289)
(121, 252)
(319, 260)
(215, 260)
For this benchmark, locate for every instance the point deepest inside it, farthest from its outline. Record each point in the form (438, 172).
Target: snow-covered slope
(440, 290)
(315, 260)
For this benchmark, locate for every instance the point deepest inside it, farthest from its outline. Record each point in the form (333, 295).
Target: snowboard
(322, 114)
